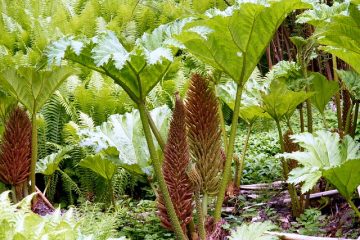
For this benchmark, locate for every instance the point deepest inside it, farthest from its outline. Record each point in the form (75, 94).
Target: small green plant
(253, 231)
(19, 222)
(138, 220)
(309, 223)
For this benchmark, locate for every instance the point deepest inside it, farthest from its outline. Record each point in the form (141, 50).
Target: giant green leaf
(281, 102)
(33, 87)
(137, 70)
(351, 80)
(345, 178)
(121, 139)
(337, 30)
(321, 14)
(233, 41)
(6, 104)
(324, 90)
(251, 113)
(322, 152)
(99, 164)
(341, 37)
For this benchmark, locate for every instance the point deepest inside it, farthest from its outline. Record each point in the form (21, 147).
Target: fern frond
(67, 105)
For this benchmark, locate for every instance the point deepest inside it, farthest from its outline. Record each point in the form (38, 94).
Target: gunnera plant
(176, 161)
(15, 152)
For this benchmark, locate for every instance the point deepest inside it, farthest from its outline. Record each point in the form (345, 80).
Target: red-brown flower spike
(15, 149)
(176, 161)
(204, 135)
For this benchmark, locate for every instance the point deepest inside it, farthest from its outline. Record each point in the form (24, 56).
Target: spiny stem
(158, 172)
(295, 204)
(348, 119)
(201, 225)
(301, 111)
(156, 132)
(242, 158)
(325, 122)
(356, 114)
(337, 96)
(222, 122)
(356, 210)
(229, 155)
(223, 130)
(205, 204)
(34, 150)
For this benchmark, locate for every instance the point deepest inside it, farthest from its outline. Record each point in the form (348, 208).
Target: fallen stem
(293, 236)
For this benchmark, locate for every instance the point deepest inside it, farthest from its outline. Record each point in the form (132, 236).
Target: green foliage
(50, 163)
(107, 222)
(260, 166)
(29, 26)
(324, 90)
(346, 177)
(351, 80)
(98, 97)
(140, 221)
(123, 140)
(250, 110)
(281, 102)
(255, 231)
(18, 222)
(322, 13)
(310, 222)
(324, 155)
(337, 30)
(99, 164)
(31, 87)
(229, 40)
(7, 103)
(136, 71)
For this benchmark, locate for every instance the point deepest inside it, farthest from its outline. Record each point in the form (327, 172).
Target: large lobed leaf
(345, 178)
(324, 90)
(323, 151)
(337, 29)
(33, 87)
(137, 70)
(100, 164)
(281, 102)
(123, 140)
(229, 40)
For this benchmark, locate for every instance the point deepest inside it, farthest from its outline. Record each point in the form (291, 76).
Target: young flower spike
(15, 151)
(176, 161)
(204, 134)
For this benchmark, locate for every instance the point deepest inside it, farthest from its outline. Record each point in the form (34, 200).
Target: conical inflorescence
(15, 149)
(204, 133)
(176, 161)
